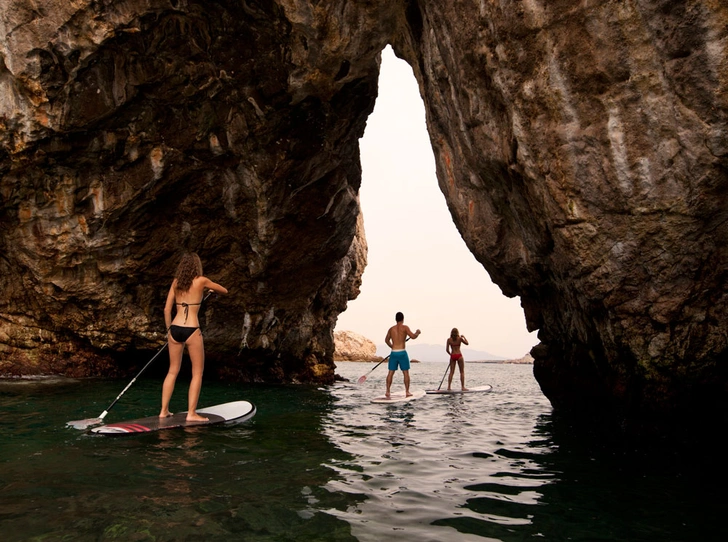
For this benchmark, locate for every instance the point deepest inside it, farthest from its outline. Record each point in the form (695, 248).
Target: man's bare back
(397, 336)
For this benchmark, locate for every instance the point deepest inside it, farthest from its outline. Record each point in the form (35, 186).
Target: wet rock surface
(581, 150)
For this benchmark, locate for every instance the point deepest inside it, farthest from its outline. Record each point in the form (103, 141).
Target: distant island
(436, 352)
(527, 359)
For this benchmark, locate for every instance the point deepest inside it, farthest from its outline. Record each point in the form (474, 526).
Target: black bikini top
(187, 308)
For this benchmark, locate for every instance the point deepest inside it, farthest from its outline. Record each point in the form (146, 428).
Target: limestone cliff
(134, 130)
(581, 148)
(350, 346)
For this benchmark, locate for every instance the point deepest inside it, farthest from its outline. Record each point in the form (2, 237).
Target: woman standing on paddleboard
(186, 294)
(452, 347)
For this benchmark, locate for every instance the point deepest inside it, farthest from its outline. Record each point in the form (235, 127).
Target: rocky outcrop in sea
(527, 360)
(351, 346)
(581, 150)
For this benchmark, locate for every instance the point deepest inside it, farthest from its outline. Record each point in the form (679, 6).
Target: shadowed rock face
(133, 131)
(583, 153)
(581, 150)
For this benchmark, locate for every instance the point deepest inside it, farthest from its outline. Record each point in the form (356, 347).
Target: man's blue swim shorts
(399, 359)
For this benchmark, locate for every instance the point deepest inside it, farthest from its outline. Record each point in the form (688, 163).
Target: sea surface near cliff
(324, 464)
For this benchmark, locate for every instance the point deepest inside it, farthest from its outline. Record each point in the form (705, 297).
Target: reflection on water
(324, 464)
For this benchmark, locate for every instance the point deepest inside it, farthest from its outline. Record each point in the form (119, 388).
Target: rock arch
(581, 149)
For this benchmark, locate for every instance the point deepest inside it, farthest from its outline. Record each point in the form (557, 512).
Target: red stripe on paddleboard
(131, 427)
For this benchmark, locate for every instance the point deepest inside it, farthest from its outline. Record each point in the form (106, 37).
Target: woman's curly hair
(188, 269)
(454, 334)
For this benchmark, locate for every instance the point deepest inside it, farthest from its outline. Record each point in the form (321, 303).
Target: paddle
(443, 377)
(363, 378)
(88, 422)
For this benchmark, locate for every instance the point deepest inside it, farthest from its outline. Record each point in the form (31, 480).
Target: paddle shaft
(155, 356)
(364, 377)
(105, 412)
(377, 365)
(443, 376)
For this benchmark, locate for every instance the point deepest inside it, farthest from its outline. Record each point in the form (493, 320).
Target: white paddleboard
(237, 411)
(477, 389)
(399, 397)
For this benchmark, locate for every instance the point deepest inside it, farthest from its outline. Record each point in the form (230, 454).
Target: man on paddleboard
(395, 339)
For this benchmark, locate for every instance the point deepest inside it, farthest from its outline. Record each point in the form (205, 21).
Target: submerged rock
(581, 149)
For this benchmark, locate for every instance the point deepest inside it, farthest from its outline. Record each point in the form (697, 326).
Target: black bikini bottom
(181, 333)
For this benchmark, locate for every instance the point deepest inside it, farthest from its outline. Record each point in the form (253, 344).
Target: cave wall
(582, 149)
(580, 146)
(133, 131)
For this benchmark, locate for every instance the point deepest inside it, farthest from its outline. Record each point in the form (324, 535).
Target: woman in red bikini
(452, 347)
(186, 293)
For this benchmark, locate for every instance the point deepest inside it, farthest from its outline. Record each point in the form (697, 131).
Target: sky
(417, 261)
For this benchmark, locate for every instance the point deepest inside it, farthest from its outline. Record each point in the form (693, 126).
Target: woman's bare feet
(195, 417)
(165, 414)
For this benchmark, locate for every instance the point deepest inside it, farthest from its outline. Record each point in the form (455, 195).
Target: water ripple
(326, 465)
(424, 466)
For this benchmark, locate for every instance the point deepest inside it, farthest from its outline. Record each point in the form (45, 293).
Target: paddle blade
(84, 424)
(362, 379)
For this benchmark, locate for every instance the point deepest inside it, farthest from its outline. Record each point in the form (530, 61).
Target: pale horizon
(417, 261)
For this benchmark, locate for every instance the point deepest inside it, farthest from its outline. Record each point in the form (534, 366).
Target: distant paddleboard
(477, 389)
(399, 397)
(237, 411)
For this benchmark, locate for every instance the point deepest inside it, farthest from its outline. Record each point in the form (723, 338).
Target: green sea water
(324, 464)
